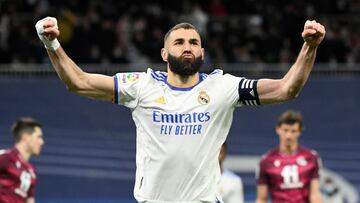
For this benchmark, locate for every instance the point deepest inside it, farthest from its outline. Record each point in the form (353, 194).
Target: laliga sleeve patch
(129, 77)
(248, 92)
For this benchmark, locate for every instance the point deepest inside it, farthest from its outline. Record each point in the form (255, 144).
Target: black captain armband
(248, 92)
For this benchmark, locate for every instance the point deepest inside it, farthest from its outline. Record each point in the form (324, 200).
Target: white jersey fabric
(231, 187)
(179, 132)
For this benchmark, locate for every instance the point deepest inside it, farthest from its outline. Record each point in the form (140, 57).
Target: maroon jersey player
(17, 175)
(289, 172)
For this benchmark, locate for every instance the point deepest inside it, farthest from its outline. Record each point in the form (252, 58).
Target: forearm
(298, 74)
(262, 194)
(30, 200)
(260, 200)
(67, 70)
(315, 194)
(92, 85)
(316, 199)
(289, 87)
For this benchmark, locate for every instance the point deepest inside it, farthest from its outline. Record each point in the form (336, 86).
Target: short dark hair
(23, 125)
(290, 117)
(186, 26)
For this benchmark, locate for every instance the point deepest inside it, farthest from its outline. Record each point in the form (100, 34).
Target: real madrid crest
(18, 164)
(203, 98)
(277, 163)
(301, 161)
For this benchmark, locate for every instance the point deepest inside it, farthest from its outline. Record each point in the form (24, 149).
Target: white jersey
(180, 132)
(231, 187)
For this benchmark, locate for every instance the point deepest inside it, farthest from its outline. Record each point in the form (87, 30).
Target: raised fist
(48, 31)
(313, 33)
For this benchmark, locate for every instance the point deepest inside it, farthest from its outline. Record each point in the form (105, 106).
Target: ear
(25, 137)
(164, 54)
(277, 130)
(202, 53)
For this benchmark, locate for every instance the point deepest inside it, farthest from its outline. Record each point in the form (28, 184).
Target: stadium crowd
(254, 31)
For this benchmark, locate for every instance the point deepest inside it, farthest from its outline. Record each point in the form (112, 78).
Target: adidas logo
(252, 93)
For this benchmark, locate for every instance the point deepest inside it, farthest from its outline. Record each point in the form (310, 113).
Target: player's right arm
(86, 84)
(261, 194)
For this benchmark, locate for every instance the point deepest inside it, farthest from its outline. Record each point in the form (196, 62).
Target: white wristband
(50, 45)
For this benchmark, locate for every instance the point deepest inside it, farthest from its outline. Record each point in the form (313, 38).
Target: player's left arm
(30, 200)
(315, 194)
(262, 194)
(315, 191)
(277, 91)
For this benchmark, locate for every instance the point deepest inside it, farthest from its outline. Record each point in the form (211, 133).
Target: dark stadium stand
(89, 155)
(132, 31)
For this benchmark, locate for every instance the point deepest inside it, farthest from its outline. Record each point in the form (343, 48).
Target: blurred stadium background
(89, 154)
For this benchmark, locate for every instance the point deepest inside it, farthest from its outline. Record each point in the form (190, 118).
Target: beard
(184, 67)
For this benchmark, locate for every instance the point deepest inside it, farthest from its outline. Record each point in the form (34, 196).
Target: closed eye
(194, 41)
(182, 41)
(179, 41)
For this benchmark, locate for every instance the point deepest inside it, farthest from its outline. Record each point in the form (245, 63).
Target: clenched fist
(313, 33)
(48, 31)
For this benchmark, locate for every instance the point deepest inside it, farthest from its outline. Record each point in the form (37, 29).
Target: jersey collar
(201, 78)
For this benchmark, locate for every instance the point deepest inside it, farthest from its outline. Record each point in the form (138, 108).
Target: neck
(288, 149)
(182, 81)
(23, 152)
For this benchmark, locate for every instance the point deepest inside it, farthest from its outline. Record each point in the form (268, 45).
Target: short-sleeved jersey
(231, 187)
(180, 131)
(17, 177)
(288, 177)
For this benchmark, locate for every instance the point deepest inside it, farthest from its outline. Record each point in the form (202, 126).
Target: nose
(187, 46)
(289, 135)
